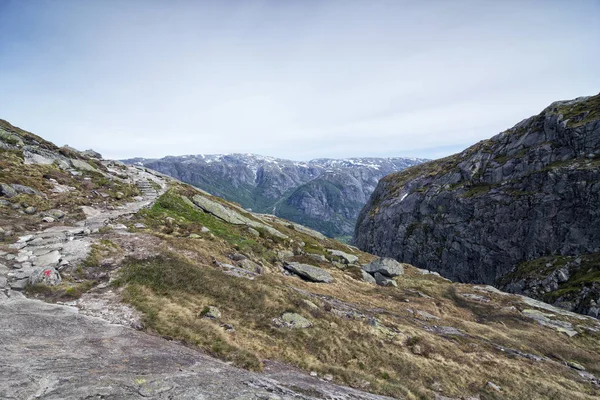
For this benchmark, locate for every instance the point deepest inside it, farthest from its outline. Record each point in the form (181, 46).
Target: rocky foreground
(519, 211)
(119, 282)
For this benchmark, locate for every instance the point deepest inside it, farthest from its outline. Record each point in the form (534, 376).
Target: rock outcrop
(323, 194)
(528, 192)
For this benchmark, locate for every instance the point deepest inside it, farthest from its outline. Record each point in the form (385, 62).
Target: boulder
(285, 254)
(309, 272)
(26, 189)
(56, 214)
(7, 190)
(30, 210)
(384, 266)
(292, 320)
(82, 165)
(231, 216)
(368, 277)
(317, 257)
(48, 220)
(45, 276)
(348, 258)
(92, 154)
(250, 266)
(382, 280)
(211, 312)
(50, 259)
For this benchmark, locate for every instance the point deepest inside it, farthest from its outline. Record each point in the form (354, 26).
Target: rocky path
(41, 255)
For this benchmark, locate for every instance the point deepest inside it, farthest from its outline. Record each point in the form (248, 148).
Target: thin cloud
(296, 80)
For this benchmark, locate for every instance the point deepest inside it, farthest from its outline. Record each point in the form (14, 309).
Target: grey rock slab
(212, 312)
(348, 258)
(385, 266)
(50, 259)
(309, 272)
(292, 320)
(26, 189)
(546, 319)
(383, 280)
(424, 315)
(231, 216)
(82, 165)
(52, 352)
(7, 190)
(317, 257)
(368, 277)
(19, 284)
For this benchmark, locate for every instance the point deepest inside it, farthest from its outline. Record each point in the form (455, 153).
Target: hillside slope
(121, 246)
(324, 194)
(519, 210)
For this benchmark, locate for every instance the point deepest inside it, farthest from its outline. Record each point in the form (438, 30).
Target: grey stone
(49, 259)
(348, 258)
(383, 280)
(48, 219)
(368, 277)
(7, 190)
(233, 217)
(385, 266)
(19, 284)
(26, 189)
(424, 315)
(56, 214)
(82, 165)
(285, 254)
(317, 257)
(547, 319)
(250, 266)
(211, 312)
(45, 276)
(30, 210)
(292, 320)
(309, 272)
(575, 365)
(92, 154)
(252, 231)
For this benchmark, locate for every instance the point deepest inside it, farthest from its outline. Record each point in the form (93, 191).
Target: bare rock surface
(51, 352)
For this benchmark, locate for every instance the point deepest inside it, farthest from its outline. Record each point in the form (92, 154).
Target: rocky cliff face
(529, 192)
(324, 194)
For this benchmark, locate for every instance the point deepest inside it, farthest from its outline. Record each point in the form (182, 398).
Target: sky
(291, 79)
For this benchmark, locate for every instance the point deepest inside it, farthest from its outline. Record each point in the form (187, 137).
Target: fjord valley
(121, 282)
(520, 211)
(324, 194)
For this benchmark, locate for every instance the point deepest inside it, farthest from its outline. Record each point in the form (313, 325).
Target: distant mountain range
(324, 194)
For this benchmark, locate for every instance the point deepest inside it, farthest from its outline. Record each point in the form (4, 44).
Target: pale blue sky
(292, 79)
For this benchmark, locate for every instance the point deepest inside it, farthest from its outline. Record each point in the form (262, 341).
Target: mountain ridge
(325, 194)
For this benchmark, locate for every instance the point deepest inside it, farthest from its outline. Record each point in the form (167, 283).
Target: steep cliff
(531, 191)
(325, 194)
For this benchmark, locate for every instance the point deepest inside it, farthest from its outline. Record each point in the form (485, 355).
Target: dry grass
(399, 357)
